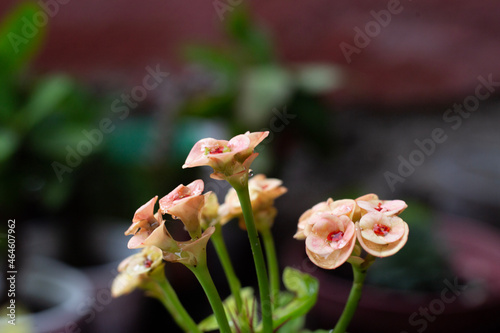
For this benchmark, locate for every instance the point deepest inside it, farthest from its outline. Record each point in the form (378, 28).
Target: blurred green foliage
(39, 117)
(251, 85)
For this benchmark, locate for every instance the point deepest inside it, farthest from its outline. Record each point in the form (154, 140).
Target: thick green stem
(166, 294)
(234, 283)
(272, 262)
(203, 275)
(258, 255)
(353, 300)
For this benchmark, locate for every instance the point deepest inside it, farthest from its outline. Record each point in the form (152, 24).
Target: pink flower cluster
(229, 159)
(184, 203)
(331, 228)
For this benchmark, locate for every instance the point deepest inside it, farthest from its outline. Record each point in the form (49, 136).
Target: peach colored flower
(185, 203)
(135, 269)
(227, 158)
(143, 223)
(304, 227)
(187, 252)
(331, 239)
(381, 235)
(161, 238)
(191, 251)
(263, 191)
(371, 203)
(338, 207)
(210, 211)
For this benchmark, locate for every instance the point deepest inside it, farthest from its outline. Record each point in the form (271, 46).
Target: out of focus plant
(39, 117)
(248, 86)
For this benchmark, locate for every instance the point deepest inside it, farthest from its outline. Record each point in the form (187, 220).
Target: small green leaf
(212, 58)
(305, 287)
(47, 96)
(247, 295)
(262, 89)
(253, 41)
(8, 143)
(20, 37)
(292, 326)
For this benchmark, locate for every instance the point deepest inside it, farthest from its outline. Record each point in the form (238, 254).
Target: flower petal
(143, 216)
(318, 245)
(382, 250)
(335, 259)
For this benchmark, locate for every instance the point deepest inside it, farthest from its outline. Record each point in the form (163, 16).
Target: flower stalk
(201, 272)
(227, 266)
(241, 188)
(163, 291)
(272, 263)
(359, 272)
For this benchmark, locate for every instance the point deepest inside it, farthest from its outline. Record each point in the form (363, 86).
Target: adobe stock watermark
(32, 25)
(420, 319)
(223, 6)
(454, 117)
(122, 107)
(372, 29)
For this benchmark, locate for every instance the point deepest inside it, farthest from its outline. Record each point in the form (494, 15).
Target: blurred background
(100, 103)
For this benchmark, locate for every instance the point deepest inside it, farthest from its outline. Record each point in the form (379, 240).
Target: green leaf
(263, 88)
(16, 50)
(292, 326)
(257, 47)
(8, 143)
(247, 295)
(20, 37)
(305, 287)
(212, 58)
(47, 96)
(50, 140)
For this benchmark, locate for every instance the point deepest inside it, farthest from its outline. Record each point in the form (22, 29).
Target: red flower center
(334, 236)
(218, 150)
(381, 229)
(148, 262)
(379, 207)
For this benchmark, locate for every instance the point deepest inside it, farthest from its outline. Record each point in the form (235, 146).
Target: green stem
(203, 275)
(272, 262)
(234, 283)
(353, 300)
(166, 294)
(258, 255)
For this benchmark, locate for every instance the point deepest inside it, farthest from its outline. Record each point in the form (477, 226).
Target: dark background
(351, 124)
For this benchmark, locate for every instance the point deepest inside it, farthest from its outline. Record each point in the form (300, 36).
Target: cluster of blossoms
(230, 159)
(199, 212)
(150, 233)
(334, 232)
(331, 228)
